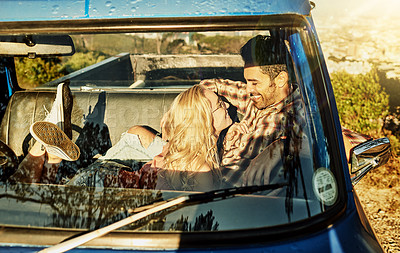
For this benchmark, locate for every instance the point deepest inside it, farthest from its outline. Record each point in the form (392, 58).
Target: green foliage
(222, 44)
(165, 43)
(82, 60)
(115, 44)
(395, 142)
(34, 72)
(392, 87)
(174, 46)
(197, 36)
(363, 104)
(361, 101)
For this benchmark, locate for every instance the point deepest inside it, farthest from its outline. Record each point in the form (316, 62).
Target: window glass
(120, 80)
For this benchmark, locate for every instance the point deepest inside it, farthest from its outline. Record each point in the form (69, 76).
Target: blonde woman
(189, 161)
(188, 158)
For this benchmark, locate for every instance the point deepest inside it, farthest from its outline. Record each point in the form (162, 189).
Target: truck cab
(125, 62)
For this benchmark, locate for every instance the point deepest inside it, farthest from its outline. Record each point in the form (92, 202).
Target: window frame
(174, 240)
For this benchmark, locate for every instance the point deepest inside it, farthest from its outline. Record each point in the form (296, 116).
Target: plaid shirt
(264, 125)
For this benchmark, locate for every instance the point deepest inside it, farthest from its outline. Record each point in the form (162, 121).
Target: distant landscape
(358, 37)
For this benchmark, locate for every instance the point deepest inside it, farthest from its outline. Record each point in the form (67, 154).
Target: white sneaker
(60, 113)
(54, 140)
(56, 115)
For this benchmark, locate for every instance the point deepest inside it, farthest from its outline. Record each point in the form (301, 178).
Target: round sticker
(325, 187)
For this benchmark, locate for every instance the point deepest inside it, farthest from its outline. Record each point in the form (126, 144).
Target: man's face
(261, 90)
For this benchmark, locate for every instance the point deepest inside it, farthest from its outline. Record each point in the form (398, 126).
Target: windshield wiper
(144, 211)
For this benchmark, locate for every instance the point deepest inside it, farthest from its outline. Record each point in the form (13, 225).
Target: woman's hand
(233, 134)
(163, 125)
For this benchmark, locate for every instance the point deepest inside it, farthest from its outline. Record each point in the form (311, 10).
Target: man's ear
(282, 79)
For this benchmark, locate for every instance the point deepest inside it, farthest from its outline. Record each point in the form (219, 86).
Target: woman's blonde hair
(189, 129)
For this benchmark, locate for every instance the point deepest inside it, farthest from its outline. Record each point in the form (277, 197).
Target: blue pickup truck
(125, 62)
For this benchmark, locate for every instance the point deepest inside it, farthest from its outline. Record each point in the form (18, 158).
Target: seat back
(104, 114)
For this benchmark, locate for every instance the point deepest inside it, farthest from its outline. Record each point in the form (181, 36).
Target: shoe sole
(66, 108)
(55, 141)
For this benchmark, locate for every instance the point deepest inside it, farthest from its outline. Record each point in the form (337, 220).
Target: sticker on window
(324, 186)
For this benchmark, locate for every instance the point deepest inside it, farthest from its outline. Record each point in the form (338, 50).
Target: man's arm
(234, 91)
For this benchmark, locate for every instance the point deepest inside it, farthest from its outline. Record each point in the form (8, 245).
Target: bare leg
(35, 167)
(49, 172)
(146, 135)
(50, 168)
(30, 169)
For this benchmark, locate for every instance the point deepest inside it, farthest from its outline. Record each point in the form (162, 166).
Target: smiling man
(270, 104)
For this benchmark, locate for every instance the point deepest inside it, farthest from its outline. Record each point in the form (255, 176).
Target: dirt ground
(382, 206)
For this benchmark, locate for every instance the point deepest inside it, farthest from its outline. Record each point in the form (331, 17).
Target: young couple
(186, 158)
(190, 131)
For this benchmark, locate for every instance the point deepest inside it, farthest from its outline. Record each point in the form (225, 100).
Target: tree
(174, 46)
(362, 103)
(34, 72)
(81, 60)
(220, 44)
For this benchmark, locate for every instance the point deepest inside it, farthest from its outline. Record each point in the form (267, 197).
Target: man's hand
(232, 136)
